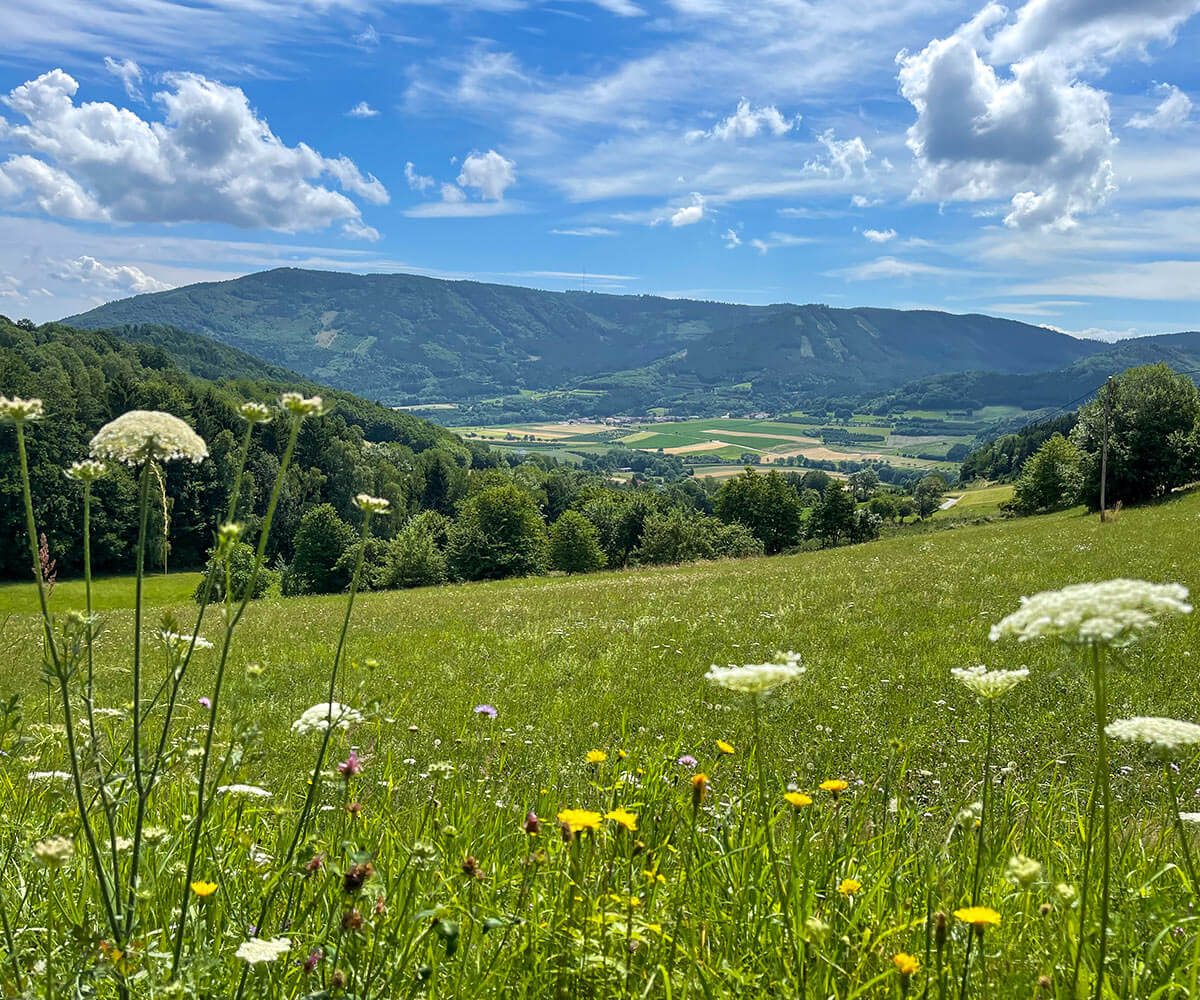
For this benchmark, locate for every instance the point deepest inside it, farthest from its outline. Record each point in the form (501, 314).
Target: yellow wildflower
(596, 757)
(906, 965)
(834, 786)
(978, 917)
(849, 886)
(623, 817)
(576, 820)
(204, 889)
(724, 747)
(797, 800)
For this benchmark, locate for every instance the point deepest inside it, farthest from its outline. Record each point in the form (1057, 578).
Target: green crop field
(418, 873)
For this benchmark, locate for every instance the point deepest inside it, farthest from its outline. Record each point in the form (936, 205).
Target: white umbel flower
(988, 684)
(312, 406)
(1109, 613)
(20, 410)
(372, 505)
(87, 471)
(262, 950)
(254, 413)
(1163, 735)
(757, 678)
(54, 852)
(1190, 817)
(316, 719)
(182, 642)
(245, 791)
(148, 435)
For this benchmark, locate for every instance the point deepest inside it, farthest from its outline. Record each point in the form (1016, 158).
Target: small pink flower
(310, 963)
(204, 702)
(350, 766)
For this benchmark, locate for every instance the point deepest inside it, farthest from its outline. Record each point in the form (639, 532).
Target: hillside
(407, 338)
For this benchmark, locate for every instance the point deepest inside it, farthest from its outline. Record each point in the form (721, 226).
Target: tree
(414, 557)
(320, 542)
(241, 571)
(927, 497)
(1152, 414)
(863, 484)
(575, 544)
(766, 505)
(1050, 480)
(499, 533)
(885, 506)
(833, 517)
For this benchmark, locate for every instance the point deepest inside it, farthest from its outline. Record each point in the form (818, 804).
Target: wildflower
(259, 950)
(989, 684)
(204, 889)
(1190, 817)
(485, 710)
(470, 867)
(940, 929)
(905, 964)
(316, 719)
(245, 791)
(356, 876)
(54, 852)
(296, 403)
(350, 766)
(87, 471)
(622, 817)
(757, 678)
(699, 787)
(20, 410)
(687, 760)
(1067, 894)
(1111, 612)
(49, 776)
(816, 931)
(849, 886)
(312, 961)
(834, 786)
(723, 747)
(204, 702)
(578, 820)
(968, 816)
(441, 770)
(182, 642)
(370, 504)
(533, 825)
(978, 917)
(147, 435)
(596, 757)
(797, 800)
(313, 865)
(622, 754)
(254, 413)
(1023, 871)
(1163, 735)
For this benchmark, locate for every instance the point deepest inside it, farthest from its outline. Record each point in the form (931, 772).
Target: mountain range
(409, 339)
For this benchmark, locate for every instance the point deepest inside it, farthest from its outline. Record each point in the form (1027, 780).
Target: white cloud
(847, 157)
(747, 121)
(731, 239)
(585, 231)
(879, 235)
(1171, 280)
(125, 278)
(688, 215)
(463, 209)
(416, 181)
(1038, 137)
(368, 38)
(862, 201)
(130, 75)
(209, 159)
(490, 173)
(452, 194)
(363, 110)
(890, 267)
(775, 240)
(1171, 112)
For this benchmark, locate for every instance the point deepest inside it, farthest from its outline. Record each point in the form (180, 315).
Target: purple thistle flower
(485, 710)
(687, 760)
(350, 766)
(204, 702)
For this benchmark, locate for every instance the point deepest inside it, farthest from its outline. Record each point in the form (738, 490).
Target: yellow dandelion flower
(596, 757)
(834, 786)
(204, 889)
(849, 886)
(724, 747)
(622, 754)
(623, 817)
(978, 917)
(797, 800)
(905, 964)
(577, 820)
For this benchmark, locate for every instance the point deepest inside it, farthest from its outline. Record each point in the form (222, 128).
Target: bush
(1051, 479)
(320, 542)
(241, 570)
(413, 557)
(575, 544)
(499, 533)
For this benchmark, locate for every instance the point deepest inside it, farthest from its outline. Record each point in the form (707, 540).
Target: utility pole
(1107, 401)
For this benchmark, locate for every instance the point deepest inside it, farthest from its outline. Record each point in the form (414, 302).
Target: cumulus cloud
(210, 159)
(731, 239)
(846, 157)
(689, 215)
(363, 110)
(747, 121)
(1038, 137)
(489, 173)
(879, 235)
(416, 181)
(87, 270)
(130, 75)
(1172, 111)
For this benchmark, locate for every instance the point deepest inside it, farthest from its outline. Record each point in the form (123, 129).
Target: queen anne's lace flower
(182, 642)
(148, 435)
(254, 413)
(1109, 613)
(87, 471)
(372, 505)
(312, 406)
(20, 410)
(316, 719)
(757, 678)
(246, 791)
(54, 852)
(1163, 735)
(262, 950)
(988, 684)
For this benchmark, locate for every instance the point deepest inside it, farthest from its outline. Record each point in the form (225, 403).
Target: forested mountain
(406, 338)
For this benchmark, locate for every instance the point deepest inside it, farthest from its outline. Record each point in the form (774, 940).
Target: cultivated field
(709, 888)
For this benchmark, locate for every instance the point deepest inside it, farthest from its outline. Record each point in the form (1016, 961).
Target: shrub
(575, 544)
(241, 571)
(413, 557)
(499, 533)
(320, 542)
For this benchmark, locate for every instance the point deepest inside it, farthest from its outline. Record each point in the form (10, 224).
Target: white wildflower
(1163, 735)
(49, 776)
(313, 406)
(757, 678)
(181, 642)
(245, 791)
(148, 435)
(1024, 871)
(1190, 817)
(54, 852)
(262, 950)
(20, 410)
(988, 684)
(254, 413)
(316, 719)
(87, 471)
(372, 505)
(1110, 613)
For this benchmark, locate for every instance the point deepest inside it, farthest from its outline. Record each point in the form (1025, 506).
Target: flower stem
(766, 814)
(1179, 828)
(1102, 768)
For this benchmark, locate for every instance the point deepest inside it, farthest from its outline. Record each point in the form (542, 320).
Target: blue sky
(1040, 161)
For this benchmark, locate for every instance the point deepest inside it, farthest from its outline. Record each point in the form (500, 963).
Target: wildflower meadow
(959, 764)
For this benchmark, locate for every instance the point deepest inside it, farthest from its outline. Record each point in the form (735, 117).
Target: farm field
(484, 703)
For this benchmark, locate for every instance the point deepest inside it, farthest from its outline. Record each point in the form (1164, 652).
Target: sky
(1039, 161)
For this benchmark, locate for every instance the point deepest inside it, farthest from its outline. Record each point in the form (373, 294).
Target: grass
(724, 899)
(108, 593)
